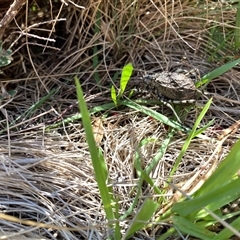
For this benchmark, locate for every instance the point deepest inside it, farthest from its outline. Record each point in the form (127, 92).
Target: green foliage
(186, 226)
(192, 134)
(197, 213)
(8, 94)
(98, 162)
(202, 209)
(154, 114)
(192, 216)
(5, 56)
(237, 29)
(217, 72)
(140, 220)
(125, 77)
(224, 38)
(149, 207)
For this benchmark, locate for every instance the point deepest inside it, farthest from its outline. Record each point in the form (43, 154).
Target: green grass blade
(191, 135)
(224, 173)
(131, 104)
(155, 115)
(141, 219)
(144, 174)
(125, 77)
(223, 194)
(201, 130)
(37, 105)
(98, 162)
(160, 153)
(223, 185)
(114, 95)
(187, 227)
(227, 233)
(137, 165)
(237, 29)
(217, 72)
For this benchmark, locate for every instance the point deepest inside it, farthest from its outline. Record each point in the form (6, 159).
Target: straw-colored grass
(46, 173)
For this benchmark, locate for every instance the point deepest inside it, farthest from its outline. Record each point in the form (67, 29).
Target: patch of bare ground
(46, 173)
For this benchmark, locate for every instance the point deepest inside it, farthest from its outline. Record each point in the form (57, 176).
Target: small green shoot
(114, 95)
(125, 77)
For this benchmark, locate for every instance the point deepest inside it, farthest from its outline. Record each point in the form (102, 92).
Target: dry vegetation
(46, 174)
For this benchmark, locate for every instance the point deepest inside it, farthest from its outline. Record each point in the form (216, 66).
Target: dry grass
(46, 174)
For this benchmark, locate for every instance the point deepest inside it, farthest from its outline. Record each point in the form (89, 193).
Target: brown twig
(10, 14)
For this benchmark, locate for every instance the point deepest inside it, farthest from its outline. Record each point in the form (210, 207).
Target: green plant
(5, 56)
(98, 162)
(125, 77)
(198, 212)
(149, 206)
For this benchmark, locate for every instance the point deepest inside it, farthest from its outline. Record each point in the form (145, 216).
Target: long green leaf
(213, 200)
(187, 227)
(237, 29)
(98, 162)
(154, 114)
(227, 233)
(190, 137)
(224, 173)
(217, 72)
(142, 217)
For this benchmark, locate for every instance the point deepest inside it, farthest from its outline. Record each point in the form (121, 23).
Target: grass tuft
(121, 166)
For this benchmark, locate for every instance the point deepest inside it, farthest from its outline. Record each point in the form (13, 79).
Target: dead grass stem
(47, 175)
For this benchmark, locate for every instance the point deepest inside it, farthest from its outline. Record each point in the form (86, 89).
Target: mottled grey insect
(173, 87)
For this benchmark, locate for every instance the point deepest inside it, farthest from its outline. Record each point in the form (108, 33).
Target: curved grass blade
(217, 72)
